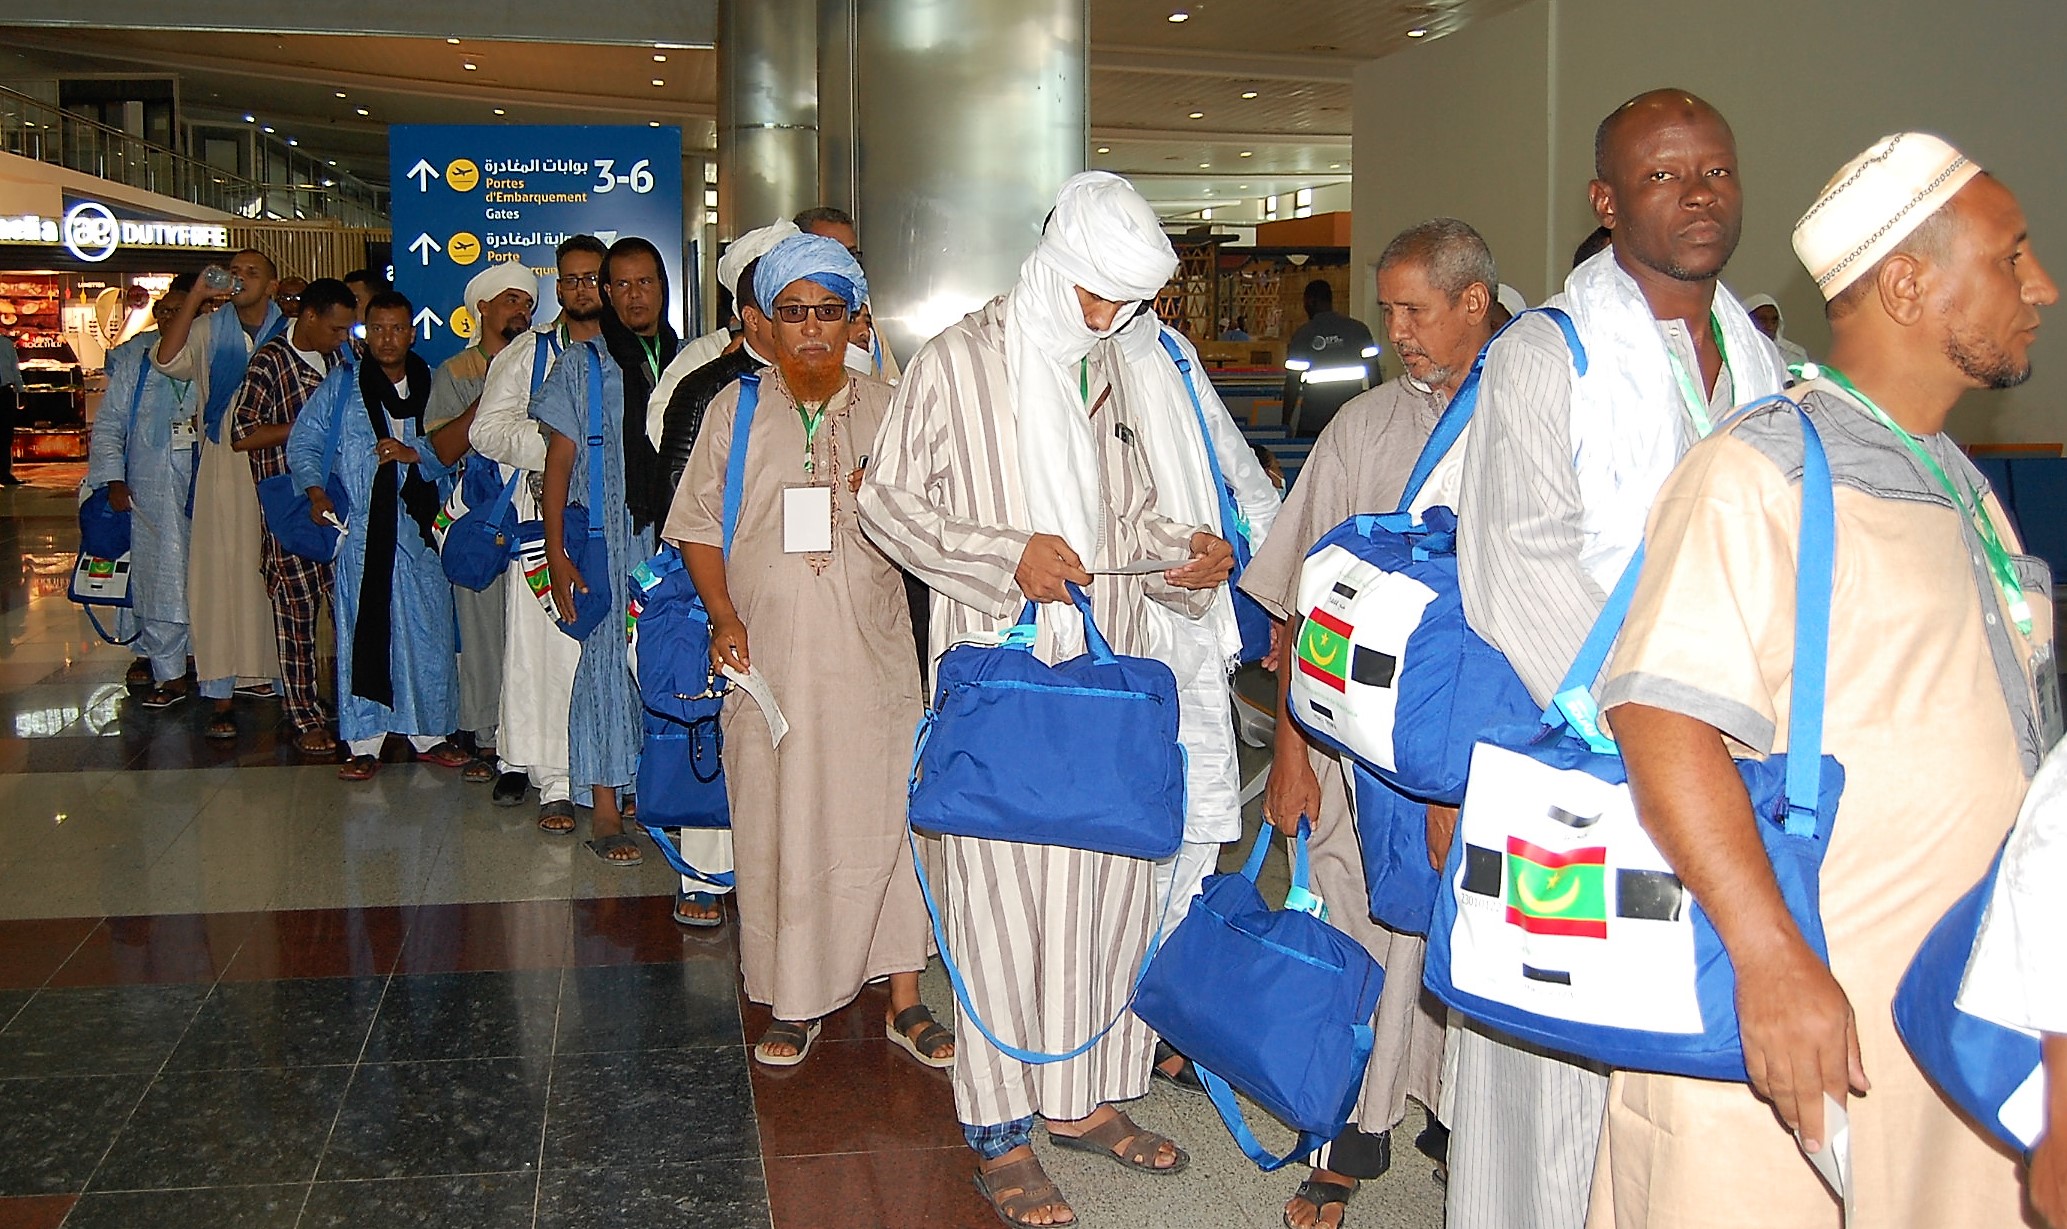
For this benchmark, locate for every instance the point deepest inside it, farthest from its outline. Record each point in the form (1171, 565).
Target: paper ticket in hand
(1834, 1162)
(756, 685)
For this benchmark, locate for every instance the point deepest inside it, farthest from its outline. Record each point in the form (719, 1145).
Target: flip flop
(799, 1036)
(556, 810)
(930, 1038)
(707, 900)
(604, 846)
(222, 727)
(445, 755)
(1320, 1195)
(480, 770)
(316, 744)
(1142, 1145)
(358, 768)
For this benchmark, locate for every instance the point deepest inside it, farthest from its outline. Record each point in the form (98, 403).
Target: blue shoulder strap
(594, 499)
(1232, 521)
(1815, 562)
(1457, 415)
(735, 460)
(548, 343)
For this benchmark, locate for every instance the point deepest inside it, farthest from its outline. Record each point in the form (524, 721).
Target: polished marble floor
(237, 992)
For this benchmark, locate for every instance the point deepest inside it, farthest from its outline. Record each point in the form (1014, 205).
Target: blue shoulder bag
(285, 502)
(1990, 1072)
(478, 546)
(581, 525)
(681, 764)
(1559, 921)
(100, 573)
(1249, 615)
(1301, 1053)
(1082, 754)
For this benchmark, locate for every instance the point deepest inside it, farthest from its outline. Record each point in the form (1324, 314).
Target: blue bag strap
(735, 459)
(1457, 415)
(672, 855)
(1815, 564)
(547, 343)
(961, 988)
(1094, 640)
(1574, 704)
(501, 506)
(595, 491)
(105, 634)
(1232, 522)
(1362, 1039)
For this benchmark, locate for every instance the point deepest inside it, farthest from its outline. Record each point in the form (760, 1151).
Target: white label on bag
(807, 520)
(1564, 906)
(2023, 1115)
(1352, 649)
(101, 581)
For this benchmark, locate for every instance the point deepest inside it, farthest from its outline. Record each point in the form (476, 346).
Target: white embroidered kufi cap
(1875, 202)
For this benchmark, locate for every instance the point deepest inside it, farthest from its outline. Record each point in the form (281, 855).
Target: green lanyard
(1084, 379)
(652, 348)
(812, 419)
(1999, 561)
(1697, 405)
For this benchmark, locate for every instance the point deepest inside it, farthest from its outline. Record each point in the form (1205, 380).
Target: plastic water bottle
(217, 278)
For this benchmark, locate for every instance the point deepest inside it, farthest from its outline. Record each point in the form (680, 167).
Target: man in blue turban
(827, 898)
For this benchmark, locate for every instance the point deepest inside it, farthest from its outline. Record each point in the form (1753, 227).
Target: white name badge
(807, 520)
(183, 433)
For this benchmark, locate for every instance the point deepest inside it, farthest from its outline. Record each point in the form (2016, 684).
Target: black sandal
(798, 1035)
(1320, 1194)
(1187, 1077)
(222, 727)
(604, 846)
(926, 1047)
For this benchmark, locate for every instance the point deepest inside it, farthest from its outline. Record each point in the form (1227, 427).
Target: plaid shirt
(276, 385)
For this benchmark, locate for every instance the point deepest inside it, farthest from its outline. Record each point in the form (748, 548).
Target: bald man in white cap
(1009, 465)
(1943, 697)
(499, 300)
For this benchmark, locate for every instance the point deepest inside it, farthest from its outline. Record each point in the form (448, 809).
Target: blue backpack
(1386, 669)
(1979, 1065)
(1249, 615)
(681, 755)
(1557, 919)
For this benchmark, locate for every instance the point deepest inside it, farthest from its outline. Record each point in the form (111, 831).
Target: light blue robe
(160, 476)
(424, 661)
(603, 720)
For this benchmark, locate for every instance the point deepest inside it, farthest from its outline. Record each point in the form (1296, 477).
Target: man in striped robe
(1008, 465)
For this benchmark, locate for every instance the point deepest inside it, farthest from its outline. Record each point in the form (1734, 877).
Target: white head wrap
(749, 248)
(1512, 300)
(496, 278)
(1874, 202)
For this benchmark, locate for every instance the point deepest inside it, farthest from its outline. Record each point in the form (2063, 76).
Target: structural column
(969, 115)
(767, 111)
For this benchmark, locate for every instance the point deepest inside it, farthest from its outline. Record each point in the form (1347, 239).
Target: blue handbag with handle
(1249, 615)
(1301, 1053)
(1996, 1075)
(478, 546)
(681, 758)
(285, 503)
(581, 525)
(1082, 753)
(1558, 920)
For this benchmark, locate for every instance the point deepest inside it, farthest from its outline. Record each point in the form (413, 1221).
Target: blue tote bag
(1082, 753)
(581, 525)
(1274, 1002)
(1392, 839)
(681, 757)
(1557, 919)
(1992, 1073)
(1386, 669)
(1249, 615)
(478, 546)
(285, 503)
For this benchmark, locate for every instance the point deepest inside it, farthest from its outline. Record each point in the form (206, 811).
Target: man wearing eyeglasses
(827, 897)
(287, 295)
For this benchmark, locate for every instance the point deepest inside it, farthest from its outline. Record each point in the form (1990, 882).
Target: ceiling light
(364, 111)
(470, 66)
(1180, 16)
(1244, 187)
(500, 111)
(268, 128)
(1105, 149)
(1248, 153)
(659, 59)
(1205, 166)
(658, 81)
(333, 162)
(1334, 166)
(671, 46)
(653, 123)
(453, 41)
(250, 119)
(1417, 34)
(1198, 115)
(340, 93)
(292, 141)
(1248, 93)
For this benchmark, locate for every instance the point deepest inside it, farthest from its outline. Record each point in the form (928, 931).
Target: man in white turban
(1011, 463)
(1943, 697)
(1765, 313)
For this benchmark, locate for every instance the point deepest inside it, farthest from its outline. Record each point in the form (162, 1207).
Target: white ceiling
(1149, 76)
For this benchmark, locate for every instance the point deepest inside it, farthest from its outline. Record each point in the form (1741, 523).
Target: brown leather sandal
(1119, 1139)
(1015, 1190)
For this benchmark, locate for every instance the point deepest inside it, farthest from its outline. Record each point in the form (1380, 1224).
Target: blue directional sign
(467, 195)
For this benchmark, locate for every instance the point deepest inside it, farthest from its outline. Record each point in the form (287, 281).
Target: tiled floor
(237, 992)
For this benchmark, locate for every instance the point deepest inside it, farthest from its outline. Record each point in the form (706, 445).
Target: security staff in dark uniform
(1329, 360)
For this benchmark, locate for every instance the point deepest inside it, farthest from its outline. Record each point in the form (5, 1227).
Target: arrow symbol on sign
(423, 173)
(426, 319)
(423, 246)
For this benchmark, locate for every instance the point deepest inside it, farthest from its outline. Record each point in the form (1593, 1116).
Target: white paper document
(756, 685)
(1834, 1162)
(1140, 567)
(807, 520)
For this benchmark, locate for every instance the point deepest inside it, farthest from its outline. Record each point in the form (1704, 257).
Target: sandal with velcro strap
(927, 1045)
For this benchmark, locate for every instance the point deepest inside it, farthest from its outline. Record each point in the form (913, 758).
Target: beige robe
(827, 896)
(1359, 465)
(227, 606)
(1049, 939)
(1931, 712)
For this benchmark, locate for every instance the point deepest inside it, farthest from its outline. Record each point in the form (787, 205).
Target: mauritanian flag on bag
(1557, 893)
(1324, 649)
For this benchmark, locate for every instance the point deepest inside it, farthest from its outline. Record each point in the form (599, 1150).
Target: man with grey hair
(1436, 283)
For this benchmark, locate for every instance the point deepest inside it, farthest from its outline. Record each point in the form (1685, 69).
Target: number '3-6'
(640, 178)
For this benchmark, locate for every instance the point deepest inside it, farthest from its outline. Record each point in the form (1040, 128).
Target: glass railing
(33, 128)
